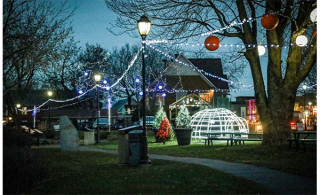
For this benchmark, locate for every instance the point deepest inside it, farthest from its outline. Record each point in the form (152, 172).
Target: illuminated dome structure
(216, 120)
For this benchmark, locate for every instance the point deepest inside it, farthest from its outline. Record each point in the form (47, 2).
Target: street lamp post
(97, 78)
(18, 116)
(304, 104)
(49, 94)
(144, 26)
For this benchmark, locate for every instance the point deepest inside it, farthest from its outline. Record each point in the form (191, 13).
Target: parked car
(136, 123)
(103, 123)
(119, 126)
(86, 126)
(149, 121)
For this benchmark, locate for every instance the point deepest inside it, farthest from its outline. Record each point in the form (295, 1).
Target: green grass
(275, 157)
(99, 173)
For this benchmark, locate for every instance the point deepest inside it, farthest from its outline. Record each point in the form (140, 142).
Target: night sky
(92, 18)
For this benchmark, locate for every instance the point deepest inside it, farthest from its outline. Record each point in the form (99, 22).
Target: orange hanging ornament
(270, 21)
(212, 43)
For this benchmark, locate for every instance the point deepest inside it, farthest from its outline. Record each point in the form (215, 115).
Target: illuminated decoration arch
(217, 120)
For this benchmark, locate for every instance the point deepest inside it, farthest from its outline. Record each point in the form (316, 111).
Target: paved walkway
(277, 181)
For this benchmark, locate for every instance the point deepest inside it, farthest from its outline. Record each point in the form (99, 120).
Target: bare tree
(288, 64)
(60, 71)
(31, 31)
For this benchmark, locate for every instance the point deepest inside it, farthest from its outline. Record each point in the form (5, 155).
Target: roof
(120, 104)
(178, 75)
(214, 67)
(183, 82)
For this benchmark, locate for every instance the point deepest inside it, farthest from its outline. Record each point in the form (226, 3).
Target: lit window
(296, 106)
(204, 97)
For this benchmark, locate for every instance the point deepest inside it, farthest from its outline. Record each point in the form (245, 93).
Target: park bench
(246, 139)
(209, 140)
(298, 140)
(302, 141)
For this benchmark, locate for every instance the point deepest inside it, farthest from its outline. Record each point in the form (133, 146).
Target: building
(198, 83)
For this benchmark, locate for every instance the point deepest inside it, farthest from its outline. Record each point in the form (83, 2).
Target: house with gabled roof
(203, 78)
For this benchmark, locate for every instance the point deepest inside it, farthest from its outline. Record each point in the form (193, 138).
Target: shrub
(104, 134)
(22, 166)
(12, 137)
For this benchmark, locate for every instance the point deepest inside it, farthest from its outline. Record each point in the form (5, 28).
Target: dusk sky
(90, 22)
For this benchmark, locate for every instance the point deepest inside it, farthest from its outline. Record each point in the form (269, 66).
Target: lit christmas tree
(183, 119)
(165, 131)
(160, 115)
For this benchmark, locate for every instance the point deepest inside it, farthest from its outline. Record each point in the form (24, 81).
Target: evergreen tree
(183, 119)
(159, 117)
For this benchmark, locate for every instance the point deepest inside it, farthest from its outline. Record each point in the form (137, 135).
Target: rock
(68, 135)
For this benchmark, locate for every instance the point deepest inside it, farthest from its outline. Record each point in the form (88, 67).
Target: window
(204, 96)
(296, 106)
(24, 111)
(159, 99)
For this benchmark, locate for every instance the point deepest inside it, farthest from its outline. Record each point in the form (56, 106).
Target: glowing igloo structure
(216, 120)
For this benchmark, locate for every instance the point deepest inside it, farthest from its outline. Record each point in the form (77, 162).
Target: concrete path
(277, 181)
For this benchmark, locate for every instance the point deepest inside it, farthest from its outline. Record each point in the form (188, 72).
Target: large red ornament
(270, 21)
(212, 43)
(314, 33)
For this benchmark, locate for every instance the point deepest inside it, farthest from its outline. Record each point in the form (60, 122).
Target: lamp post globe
(49, 118)
(144, 26)
(18, 116)
(304, 86)
(97, 78)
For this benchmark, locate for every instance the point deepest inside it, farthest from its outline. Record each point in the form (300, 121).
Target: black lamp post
(18, 117)
(97, 78)
(144, 26)
(49, 94)
(304, 106)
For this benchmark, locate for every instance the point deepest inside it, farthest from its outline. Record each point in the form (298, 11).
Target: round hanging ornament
(301, 40)
(270, 21)
(212, 43)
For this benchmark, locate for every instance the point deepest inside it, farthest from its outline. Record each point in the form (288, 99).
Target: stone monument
(68, 135)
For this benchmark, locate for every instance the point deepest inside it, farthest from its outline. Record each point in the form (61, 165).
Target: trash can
(123, 144)
(135, 138)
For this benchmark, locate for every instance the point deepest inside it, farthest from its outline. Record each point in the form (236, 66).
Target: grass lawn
(98, 173)
(276, 157)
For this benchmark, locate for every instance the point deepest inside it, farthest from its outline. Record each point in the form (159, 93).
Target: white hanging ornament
(261, 50)
(313, 15)
(301, 40)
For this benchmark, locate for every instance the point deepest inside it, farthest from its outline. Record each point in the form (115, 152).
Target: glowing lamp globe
(314, 33)
(270, 21)
(212, 43)
(313, 15)
(301, 40)
(261, 50)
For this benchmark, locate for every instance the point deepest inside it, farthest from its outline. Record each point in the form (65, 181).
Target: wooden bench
(306, 140)
(290, 140)
(302, 141)
(246, 139)
(210, 139)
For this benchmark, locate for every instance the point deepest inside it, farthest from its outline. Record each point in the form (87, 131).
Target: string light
(197, 69)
